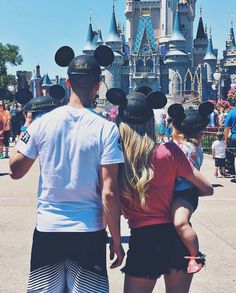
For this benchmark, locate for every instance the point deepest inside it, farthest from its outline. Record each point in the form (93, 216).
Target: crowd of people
(94, 168)
(11, 120)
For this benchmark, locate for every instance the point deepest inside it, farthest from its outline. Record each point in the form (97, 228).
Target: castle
(159, 52)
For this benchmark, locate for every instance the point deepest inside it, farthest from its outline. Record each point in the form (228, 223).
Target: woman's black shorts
(154, 251)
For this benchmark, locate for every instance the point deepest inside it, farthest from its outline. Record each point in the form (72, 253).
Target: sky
(41, 27)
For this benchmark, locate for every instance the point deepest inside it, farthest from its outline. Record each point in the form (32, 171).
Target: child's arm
(198, 180)
(213, 150)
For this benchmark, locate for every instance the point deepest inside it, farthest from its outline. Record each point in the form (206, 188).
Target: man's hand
(120, 254)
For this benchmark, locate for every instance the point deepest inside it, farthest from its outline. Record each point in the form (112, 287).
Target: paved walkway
(214, 221)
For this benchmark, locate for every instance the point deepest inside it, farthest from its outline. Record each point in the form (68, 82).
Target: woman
(6, 118)
(147, 183)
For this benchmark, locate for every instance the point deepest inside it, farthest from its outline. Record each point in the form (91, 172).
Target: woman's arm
(198, 180)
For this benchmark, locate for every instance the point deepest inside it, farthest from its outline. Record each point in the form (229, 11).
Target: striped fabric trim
(66, 276)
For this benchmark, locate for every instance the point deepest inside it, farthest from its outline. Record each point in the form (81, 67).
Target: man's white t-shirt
(72, 144)
(219, 147)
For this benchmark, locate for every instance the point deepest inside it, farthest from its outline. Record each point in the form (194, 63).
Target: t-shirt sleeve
(112, 150)
(27, 145)
(184, 166)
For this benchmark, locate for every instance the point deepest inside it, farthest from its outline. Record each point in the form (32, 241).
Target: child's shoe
(1, 156)
(195, 263)
(7, 156)
(216, 174)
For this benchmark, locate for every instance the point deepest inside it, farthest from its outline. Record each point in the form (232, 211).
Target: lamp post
(215, 86)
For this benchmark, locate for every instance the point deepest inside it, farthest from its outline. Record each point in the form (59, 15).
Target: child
(219, 153)
(187, 134)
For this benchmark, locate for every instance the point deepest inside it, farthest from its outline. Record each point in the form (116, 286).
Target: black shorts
(190, 195)
(68, 260)
(219, 162)
(154, 251)
(6, 138)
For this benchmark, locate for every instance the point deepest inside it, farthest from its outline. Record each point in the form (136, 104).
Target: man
(79, 154)
(230, 126)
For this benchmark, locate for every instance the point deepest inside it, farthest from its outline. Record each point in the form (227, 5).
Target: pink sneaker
(216, 174)
(195, 263)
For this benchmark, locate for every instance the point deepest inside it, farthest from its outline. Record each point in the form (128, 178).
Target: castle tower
(90, 45)
(210, 60)
(177, 60)
(113, 72)
(144, 60)
(187, 16)
(200, 43)
(46, 84)
(36, 83)
(230, 56)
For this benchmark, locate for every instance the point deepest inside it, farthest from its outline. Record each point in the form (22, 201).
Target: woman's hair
(139, 141)
(194, 137)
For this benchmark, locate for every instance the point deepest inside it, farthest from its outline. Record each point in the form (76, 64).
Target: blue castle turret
(90, 46)
(46, 84)
(100, 39)
(210, 60)
(113, 73)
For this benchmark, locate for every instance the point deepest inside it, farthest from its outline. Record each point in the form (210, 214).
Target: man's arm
(19, 165)
(226, 132)
(112, 210)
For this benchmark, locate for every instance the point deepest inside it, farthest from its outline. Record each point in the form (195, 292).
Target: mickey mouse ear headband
(136, 108)
(192, 120)
(84, 64)
(41, 103)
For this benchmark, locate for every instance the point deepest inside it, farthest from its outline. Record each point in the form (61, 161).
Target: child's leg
(181, 214)
(216, 171)
(223, 170)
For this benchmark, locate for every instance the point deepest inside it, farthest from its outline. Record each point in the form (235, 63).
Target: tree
(9, 54)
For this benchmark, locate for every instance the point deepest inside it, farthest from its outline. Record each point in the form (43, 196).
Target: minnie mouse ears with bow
(84, 64)
(190, 121)
(136, 108)
(42, 103)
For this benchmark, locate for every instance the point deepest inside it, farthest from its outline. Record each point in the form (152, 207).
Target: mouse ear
(57, 92)
(23, 96)
(116, 96)
(206, 108)
(104, 55)
(157, 100)
(64, 55)
(176, 111)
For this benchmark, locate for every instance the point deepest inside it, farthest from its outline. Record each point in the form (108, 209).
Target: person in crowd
(1, 137)
(168, 129)
(230, 137)
(79, 154)
(213, 119)
(6, 118)
(219, 154)
(222, 116)
(147, 182)
(187, 133)
(15, 121)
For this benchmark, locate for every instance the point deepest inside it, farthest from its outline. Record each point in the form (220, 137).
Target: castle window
(140, 66)
(149, 65)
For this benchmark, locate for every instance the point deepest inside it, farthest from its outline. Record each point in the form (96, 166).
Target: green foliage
(9, 54)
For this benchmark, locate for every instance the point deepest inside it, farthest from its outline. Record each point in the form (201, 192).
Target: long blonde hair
(139, 141)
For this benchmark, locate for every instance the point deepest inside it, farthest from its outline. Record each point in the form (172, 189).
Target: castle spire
(89, 46)
(232, 37)
(100, 39)
(177, 34)
(200, 31)
(210, 55)
(113, 32)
